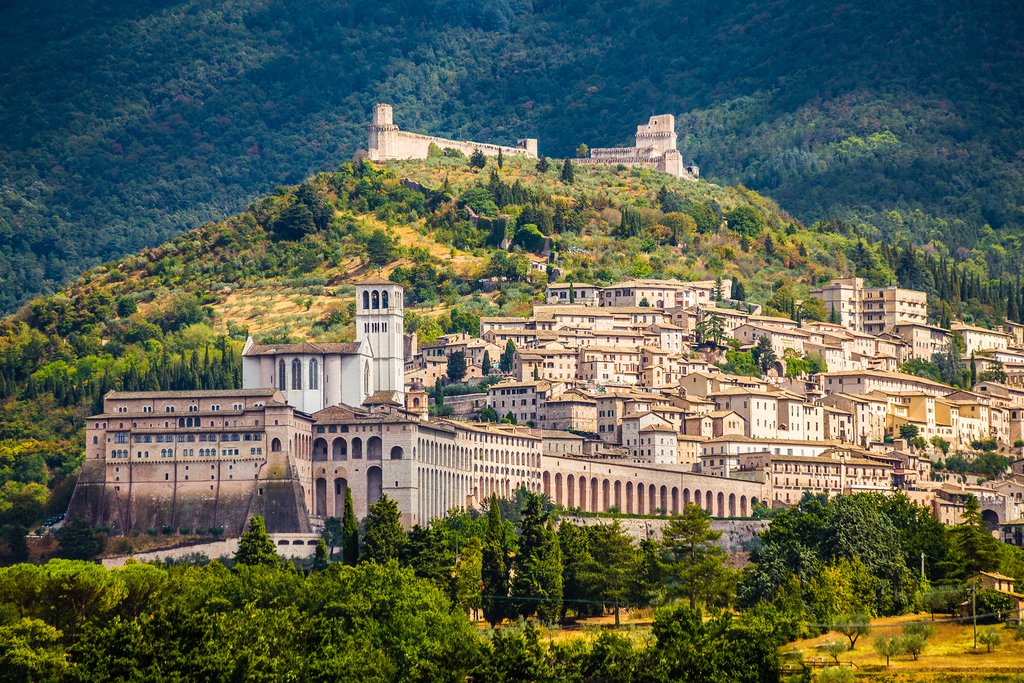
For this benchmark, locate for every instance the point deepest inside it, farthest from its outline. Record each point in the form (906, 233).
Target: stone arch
(675, 500)
(374, 485)
(709, 503)
(720, 505)
(697, 500)
(366, 300)
(686, 497)
(629, 498)
(339, 449)
(570, 485)
(606, 493)
(641, 497)
(594, 504)
(547, 483)
(357, 448)
(319, 450)
(374, 448)
(618, 494)
(743, 506)
(375, 299)
(990, 518)
(314, 374)
(663, 503)
(282, 379)
(732, 504)
(275, 445)
(558, 488)
(297, 374)
(384, 299)
(397, 453)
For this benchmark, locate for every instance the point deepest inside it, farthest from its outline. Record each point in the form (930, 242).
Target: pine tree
(494, 570)
(568, 175)
(537, 586)
(695, 562)
(349, 531)
(543, 165)
(255, 547)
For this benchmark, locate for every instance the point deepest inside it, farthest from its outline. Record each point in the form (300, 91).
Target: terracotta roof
(343, 348)
(198, 393)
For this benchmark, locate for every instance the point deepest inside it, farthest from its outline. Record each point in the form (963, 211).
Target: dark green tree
(255, 548)
(485, 364)
(380, 249)
(79, 541)
(615, 561)
(349, 531)
(384, 534)
(321, 557)
(543, 165)
(477, 159)
(764, 355)
(333, 534)
(495, 569)
(568, 174)
(508, 357)
(456, 370)
(694, 562)
(537, 567)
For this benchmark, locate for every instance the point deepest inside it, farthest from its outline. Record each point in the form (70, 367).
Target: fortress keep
(387, 141)
(655, 148)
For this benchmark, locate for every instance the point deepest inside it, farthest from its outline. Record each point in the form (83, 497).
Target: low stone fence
(288, 545)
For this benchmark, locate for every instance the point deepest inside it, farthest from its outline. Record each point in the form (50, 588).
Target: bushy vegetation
(178, 114)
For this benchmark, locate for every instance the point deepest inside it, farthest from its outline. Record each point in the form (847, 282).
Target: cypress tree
(255, 547)
(495, 566)
(537, 587)
(349, 531)
(568, 174)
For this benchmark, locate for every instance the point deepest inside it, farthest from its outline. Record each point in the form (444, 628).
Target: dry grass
(948, 656)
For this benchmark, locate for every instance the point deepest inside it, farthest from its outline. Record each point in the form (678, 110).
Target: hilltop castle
(655, 148)
(387, 141)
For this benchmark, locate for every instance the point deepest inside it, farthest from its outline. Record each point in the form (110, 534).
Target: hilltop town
(637, 398)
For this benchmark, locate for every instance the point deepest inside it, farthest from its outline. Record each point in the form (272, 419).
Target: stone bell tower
(380, 320)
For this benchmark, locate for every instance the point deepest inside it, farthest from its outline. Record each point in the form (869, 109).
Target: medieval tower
(380, 321)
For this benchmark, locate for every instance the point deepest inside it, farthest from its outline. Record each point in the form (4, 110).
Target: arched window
(383, 299)
(281, 384)
(275, 445)
(375, 299)
(366, 300)
(366, 379)
(181, 422)
(297, 374)
(314, 374)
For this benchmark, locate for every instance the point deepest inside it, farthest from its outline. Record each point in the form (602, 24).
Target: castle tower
(380, 320)
(382, 133)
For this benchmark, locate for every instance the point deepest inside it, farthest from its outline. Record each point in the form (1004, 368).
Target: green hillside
(124, 124)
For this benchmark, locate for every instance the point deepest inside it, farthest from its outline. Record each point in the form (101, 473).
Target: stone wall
(388, 141)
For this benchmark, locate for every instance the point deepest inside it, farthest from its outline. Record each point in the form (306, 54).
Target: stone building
(387, 141)
(873, 310)
(655, 148)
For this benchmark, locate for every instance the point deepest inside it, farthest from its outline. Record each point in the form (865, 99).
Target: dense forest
(122, 125)
(377, 603)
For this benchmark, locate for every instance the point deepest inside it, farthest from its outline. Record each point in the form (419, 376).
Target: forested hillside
(124, 124)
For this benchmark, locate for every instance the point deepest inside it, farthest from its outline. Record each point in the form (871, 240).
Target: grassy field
(948, 656)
